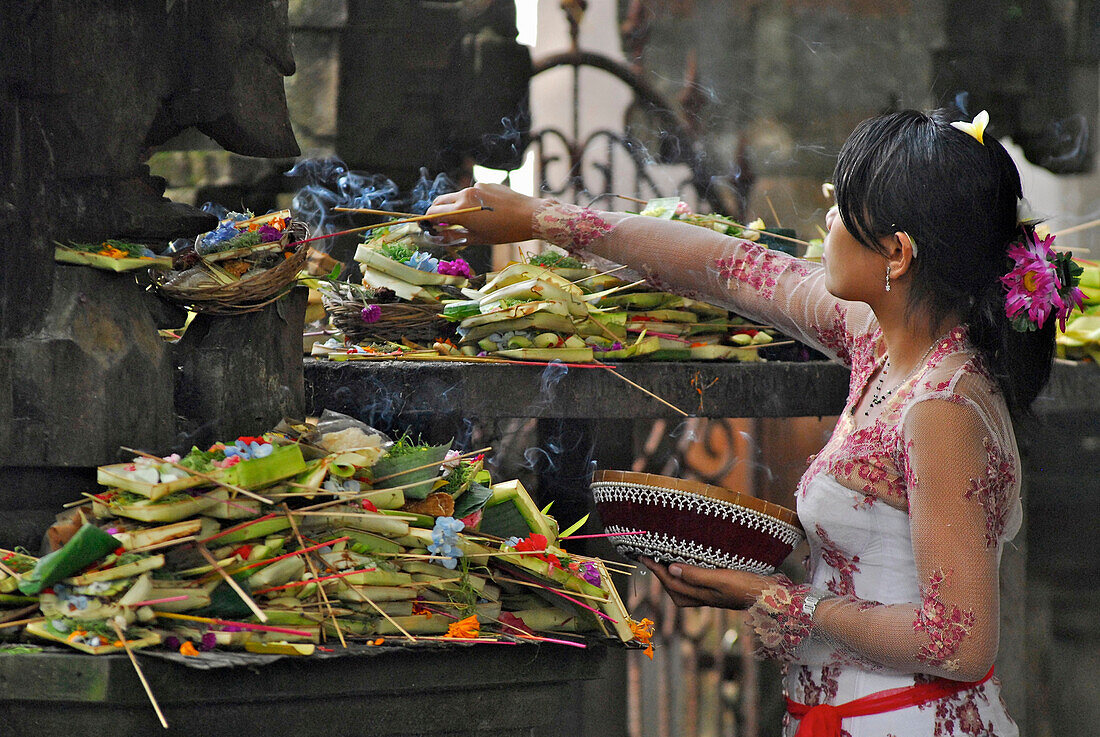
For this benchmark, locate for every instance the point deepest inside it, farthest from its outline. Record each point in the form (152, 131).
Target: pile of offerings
(555, 308)
(309, 534)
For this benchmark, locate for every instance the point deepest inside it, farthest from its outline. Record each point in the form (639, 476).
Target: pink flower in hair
(1042, 282)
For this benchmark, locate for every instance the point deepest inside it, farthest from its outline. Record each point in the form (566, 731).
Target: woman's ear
(901, 250)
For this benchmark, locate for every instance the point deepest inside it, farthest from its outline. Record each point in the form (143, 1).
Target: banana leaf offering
(326, 532)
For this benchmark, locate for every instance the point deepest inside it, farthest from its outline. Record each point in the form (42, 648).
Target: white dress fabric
(906, 509)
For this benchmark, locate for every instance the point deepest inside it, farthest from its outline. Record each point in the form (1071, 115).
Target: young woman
(943, 305)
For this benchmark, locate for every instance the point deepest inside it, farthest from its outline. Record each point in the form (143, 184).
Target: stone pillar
(241, 374)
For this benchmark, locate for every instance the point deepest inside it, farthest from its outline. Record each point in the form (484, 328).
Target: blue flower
(223, 232)
(250, 450)
(445, 540)
(422, 261)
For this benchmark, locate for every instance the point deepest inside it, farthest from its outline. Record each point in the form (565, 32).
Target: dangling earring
(887, 277)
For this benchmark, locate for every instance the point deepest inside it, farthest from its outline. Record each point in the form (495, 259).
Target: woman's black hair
(957, 199)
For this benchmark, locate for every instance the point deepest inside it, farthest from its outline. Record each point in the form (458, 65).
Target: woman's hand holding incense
(691, 586)
(508, 217)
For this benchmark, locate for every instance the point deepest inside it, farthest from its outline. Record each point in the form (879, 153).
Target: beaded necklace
(878, 396)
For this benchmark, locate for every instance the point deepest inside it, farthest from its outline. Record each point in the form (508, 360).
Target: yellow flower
(976, 128)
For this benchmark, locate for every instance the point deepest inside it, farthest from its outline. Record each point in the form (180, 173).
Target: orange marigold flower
(188, 648)
(643, 633)
(464, 628)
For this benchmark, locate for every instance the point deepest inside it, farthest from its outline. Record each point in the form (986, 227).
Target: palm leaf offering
(550, 307)
(312, 533)
(110, 255)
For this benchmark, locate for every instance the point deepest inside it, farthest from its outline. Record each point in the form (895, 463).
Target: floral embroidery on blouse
(991, 491)
(844, 566)
(818, 689)
(836, 337)
(865, 461)
(759, 268)
(959, 714)
(776, 617)
(569, 226)
(946, 626)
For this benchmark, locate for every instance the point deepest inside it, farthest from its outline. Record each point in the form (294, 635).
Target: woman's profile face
(852, 271)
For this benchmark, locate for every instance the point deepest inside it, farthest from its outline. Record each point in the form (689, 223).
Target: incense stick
(380, 610)
(415, 219)
(643, 389)
(140, 675)
(313, 570)
(241, 526)
(232, 584)
(204, 476)
(297, 584)
(230, 623)
(606, 534)
(265, 561)
(774, 213)
(562, 594)
(151, 602)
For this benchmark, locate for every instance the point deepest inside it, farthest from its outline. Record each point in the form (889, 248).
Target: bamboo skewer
(644, 390)
(1077, 228)
(204, 476)
(21, 622)
(313, 570)
(463, 456)
(140, 675)
(164, 544)
(15, 614)
(14, 574)
(232, 584)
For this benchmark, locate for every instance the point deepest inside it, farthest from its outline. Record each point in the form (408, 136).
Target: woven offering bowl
(673, 520)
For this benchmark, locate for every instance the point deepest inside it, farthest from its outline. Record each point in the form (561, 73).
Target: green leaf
(473, 500)
(574, 527)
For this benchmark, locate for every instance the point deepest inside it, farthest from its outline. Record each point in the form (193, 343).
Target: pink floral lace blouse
(906, 510)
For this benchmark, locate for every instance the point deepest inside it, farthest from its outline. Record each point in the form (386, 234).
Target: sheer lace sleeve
(963, 489)
(761, 284)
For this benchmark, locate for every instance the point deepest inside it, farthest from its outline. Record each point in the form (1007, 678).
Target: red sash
(823, 720)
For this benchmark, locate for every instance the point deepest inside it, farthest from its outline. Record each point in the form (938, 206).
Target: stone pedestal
(458, 691)
(240, 375)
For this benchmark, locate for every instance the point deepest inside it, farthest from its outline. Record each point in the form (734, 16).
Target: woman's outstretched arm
(761, 284)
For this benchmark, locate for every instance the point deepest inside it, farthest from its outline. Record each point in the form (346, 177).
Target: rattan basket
(674, 520)
(244, 295)
(415, 322)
